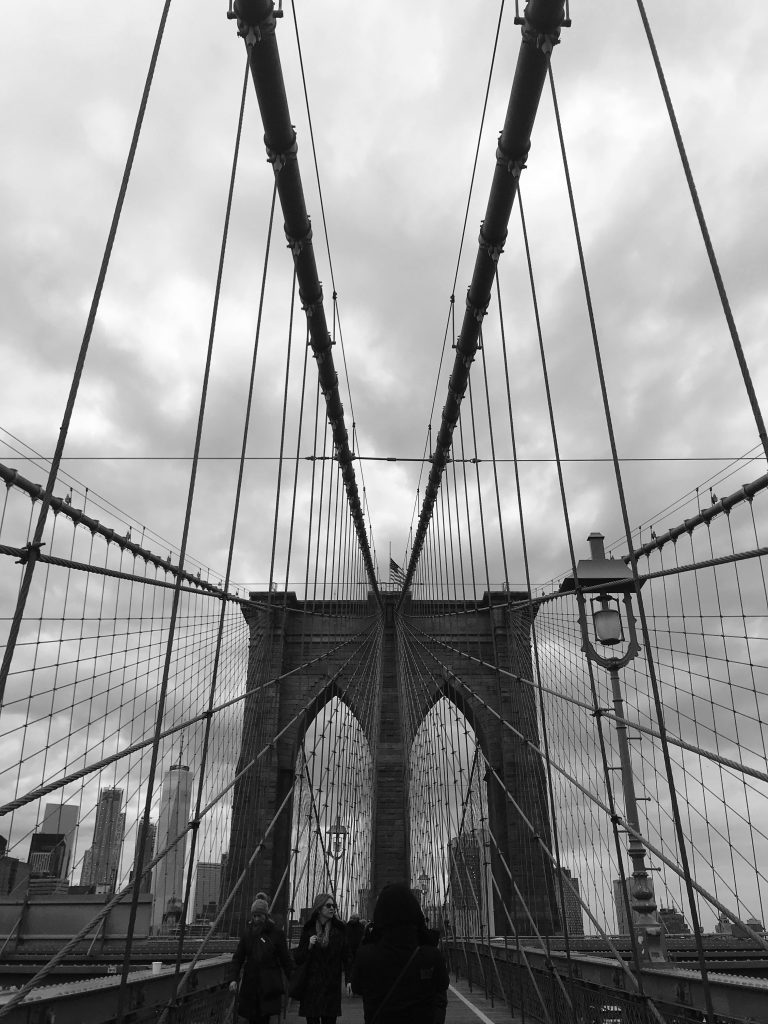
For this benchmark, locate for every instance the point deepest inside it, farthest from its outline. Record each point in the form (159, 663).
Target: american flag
(396, 574)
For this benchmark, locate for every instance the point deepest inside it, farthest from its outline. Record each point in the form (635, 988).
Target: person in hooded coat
(323, 948)
(401, 980)
(355, 932)
(262, 957)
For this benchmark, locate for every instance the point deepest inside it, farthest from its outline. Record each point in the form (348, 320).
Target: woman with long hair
(324, 953)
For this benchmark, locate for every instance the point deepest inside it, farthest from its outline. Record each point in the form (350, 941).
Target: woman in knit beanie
(323, 949)
(263, 959)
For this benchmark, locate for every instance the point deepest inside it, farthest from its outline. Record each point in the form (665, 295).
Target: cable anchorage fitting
(310, 308)
(514, 165)
(248, 28)
(478, 312)
(544, 41)
(296, 245)
(279, 160)
(494, 251)
(25, 553)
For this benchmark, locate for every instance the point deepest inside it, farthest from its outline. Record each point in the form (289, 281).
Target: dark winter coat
(417, 997)
(322, 989)
(355, 932)
(263, 958)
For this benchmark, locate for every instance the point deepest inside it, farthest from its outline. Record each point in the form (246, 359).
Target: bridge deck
(464, 1007)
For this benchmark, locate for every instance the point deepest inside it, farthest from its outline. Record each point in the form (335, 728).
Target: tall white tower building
(169, 877)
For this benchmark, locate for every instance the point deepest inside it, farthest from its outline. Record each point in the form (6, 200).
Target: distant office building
(223, 895)
(47, 855)
(62, 819)
(207, 887)
(471, 883)
(724, 925)
(14, 873)
(175, 801)
(101, 862)
(753, 923)
(673, 922)
(571, 913)
(149, 853)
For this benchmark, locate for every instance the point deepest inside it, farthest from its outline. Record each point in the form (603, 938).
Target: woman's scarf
(323, 931)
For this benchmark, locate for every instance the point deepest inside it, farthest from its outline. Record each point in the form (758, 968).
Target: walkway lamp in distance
(424, 881)
(337, 847)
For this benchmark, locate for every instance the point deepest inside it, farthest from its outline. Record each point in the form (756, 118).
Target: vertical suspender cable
(541, 29)
(35, 544)
(737, 346)
(681, 842)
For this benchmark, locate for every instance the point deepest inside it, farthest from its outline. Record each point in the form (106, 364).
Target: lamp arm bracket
(631, 652)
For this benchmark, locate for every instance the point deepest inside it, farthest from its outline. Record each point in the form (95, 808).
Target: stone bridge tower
(286, 634)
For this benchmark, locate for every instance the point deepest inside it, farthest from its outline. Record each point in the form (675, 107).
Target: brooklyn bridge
(327, 565)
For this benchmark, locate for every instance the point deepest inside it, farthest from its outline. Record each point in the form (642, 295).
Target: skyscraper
(673, 922)
(175, 801)
(62, 819)
(149, 853)
(572, 913)
(207, 888)
(471, 883)
(102, 861)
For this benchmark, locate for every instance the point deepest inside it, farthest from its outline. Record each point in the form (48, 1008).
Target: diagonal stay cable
(33, 547)
(540, 33)
(256, 25)
(733, 330)
(175, 604)
(677, 741)
(595, 799)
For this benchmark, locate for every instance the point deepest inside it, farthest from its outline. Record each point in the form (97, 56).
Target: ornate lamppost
(607, 579)
(337, 847)
(424, 881)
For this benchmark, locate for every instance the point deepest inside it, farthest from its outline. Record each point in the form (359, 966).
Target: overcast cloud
(396, 99)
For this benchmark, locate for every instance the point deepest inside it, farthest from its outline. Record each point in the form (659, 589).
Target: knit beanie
(396, 905)
(324, 897)
(260, 907)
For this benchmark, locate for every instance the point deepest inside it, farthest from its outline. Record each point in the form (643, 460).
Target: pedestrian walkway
(464, 1007)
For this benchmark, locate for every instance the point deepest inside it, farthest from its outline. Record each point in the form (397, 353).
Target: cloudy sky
(396, 98)
(396, 105)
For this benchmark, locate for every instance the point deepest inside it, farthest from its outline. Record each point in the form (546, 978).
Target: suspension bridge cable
(174, 609)
(578, 591)
(682, 846)
(531, 613)
(733, 330)
(594, 798)
(256, 24)
(541, 31)
(33, 547)
(281, 446)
